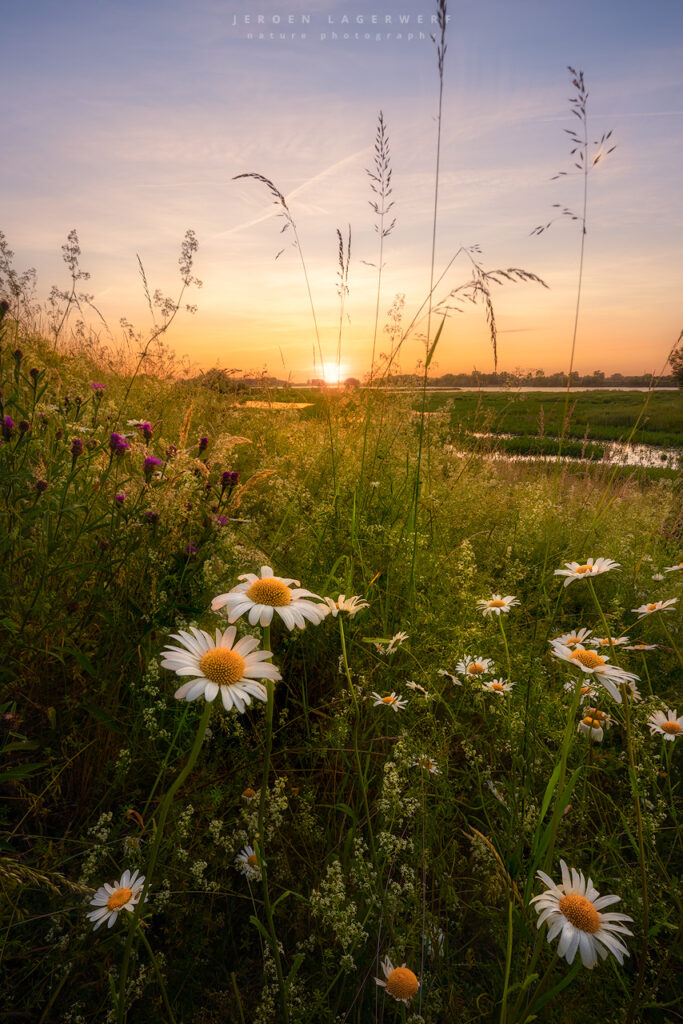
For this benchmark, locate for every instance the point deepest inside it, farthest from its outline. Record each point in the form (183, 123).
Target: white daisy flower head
(666, 724)
(449, 675)
(597, 665)
(581, 571)
(473, 667)
(261, 596)
(573, 910)
(427, 764)
(220, 665)
(673, 568)
(497, 686)
(641, 647)
(608, 641)
(575, 639)
(249, 795)
(656, 606)
(587, 692)
(658, 577)
(392, 701)
(497, 604)
(497, 793)
(344, 604)
(110, 900)
(400, 982)
(247, 862)
(412, 685)
(591, 727)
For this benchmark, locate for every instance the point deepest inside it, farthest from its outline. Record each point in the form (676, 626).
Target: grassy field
(408, 825)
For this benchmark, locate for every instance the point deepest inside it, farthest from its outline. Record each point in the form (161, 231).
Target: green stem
(151, 864)
(508, 962)
(507, 649)
(557, 809)
(361, 776)
(671, 639)
(626, 694)
(160, 980)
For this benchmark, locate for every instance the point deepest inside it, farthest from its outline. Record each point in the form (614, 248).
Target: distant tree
(676, 364)
(352, 382)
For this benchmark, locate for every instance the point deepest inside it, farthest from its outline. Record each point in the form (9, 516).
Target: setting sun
(335, 373)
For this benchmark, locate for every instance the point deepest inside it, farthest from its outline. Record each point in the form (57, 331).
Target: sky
(129, 120)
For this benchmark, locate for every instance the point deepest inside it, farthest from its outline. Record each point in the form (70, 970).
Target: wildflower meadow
(311, 715)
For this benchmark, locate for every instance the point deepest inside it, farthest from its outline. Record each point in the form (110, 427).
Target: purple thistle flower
(18, 355)
(191, 549)
(41, 486)
(98, 389)
(171, 451)
(203, 443)
(24, 427)
(150, 465)
(76, 448)
(229, 479)
(221, 520)
(118, 444)
(152, 517)
(7, 427)
(120, 498)
(145, 429)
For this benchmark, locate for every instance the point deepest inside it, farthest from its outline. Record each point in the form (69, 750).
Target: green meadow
(400, 804)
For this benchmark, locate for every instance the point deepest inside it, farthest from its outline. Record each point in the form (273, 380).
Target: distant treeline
(537, 379)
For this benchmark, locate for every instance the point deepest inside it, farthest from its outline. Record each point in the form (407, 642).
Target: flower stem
(361, 776)
(164, 993)
(508, 962)
(151, 864)
(641, 852)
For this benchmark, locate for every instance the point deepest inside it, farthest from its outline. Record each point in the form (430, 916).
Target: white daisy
(246, 861)
(427, 764)
(587, 692)
(573, 910)
(474, 666)
(592, 727)
(400, 982)
(262, 596)
(611, 641)
(673, 568)
(344, 604)
(641, 647)
(497, 793)
(412, 685)
(575, 639)
(667, 725)
(656, 606)
(110, 900)
(230, 667)
(592, 663)
(658, 577)
(449, 675)
(497, 686)
(392, 701)
(577, 571)
(497, 604)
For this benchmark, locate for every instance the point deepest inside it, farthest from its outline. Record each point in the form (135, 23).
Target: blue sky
(128, 121)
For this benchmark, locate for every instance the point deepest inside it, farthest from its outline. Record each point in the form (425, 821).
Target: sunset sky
(128, 120)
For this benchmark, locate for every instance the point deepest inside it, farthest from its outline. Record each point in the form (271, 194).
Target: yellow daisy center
(249, 793)
(119, 899)
(424, 762)
(389, 700)
(580, 912)
(497, 686)
(402, 983)
(589, 659)
(475, 668)
(593, 723)
(223, 666)
(572, 641)
(671, 727)
(270, 591)
(581, 569)
(595, 713)
(497, 604)
(651, 607)
(252, 861)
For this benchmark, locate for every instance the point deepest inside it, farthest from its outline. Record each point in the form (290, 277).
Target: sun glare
(334, 373)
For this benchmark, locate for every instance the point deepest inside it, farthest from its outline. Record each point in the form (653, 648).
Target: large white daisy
(352, 605)
(233, 668)
(110, 900)
(392, 701)
(576, 639)
(261, 596)
(573, 910)
(597, 665)
(497, 686)
(578, 571)
(673, 568)
(668, 725)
